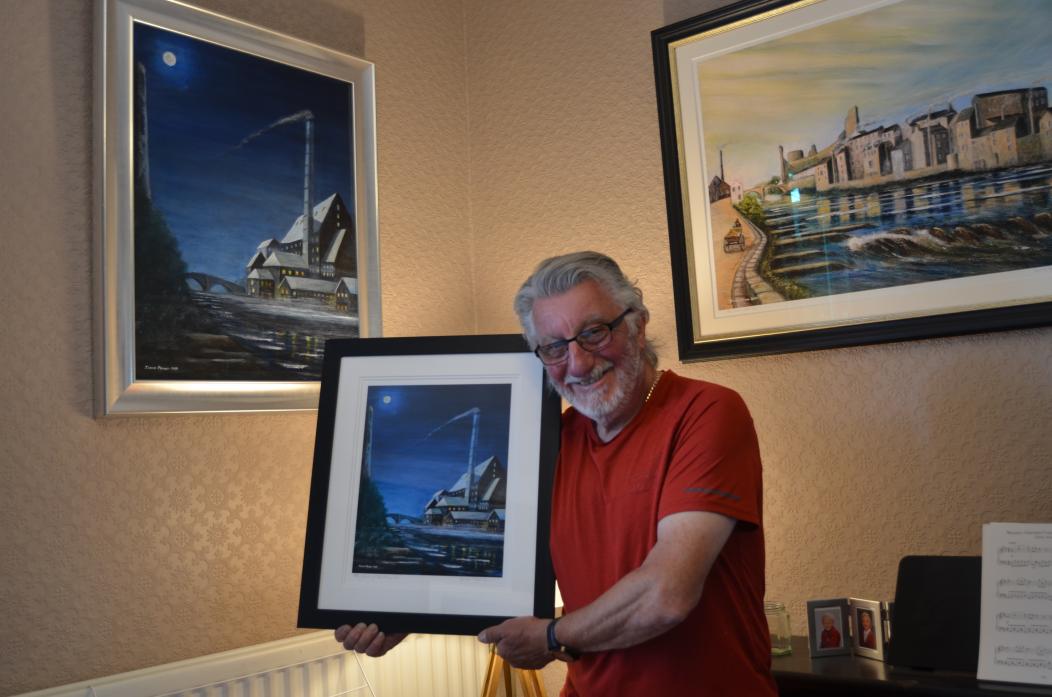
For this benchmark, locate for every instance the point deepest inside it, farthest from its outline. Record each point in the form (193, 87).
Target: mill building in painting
(314, 260)
(317, 257)
(1005, 128)
(998, 129)
(476, 499)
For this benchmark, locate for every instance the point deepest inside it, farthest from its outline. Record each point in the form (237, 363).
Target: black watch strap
(553, 644)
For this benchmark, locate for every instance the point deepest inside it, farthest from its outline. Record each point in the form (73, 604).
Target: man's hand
(367, 639)
(521, 641)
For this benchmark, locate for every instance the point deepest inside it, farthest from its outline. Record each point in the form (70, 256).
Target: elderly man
(656, 530)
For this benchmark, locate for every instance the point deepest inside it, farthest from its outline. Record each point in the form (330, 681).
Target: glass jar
(778, 625)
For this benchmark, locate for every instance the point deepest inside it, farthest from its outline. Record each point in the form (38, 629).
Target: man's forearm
(640, 606)
(658, 595)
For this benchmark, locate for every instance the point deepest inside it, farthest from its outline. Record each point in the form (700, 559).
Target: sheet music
(1015, 634)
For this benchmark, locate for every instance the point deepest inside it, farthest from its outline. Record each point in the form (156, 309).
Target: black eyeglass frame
(611, 326)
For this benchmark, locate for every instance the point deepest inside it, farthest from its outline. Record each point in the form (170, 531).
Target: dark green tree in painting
(164, 309)
(372, 512)
(751, 207)
(159, 267)
(372, 532)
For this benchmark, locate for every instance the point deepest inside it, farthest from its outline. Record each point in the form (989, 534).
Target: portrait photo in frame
(867, 628)
(830, 181)
(236, 211)
(431, 488)
(829, 627)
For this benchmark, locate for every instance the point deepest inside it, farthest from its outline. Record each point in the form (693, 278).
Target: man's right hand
(367, 639)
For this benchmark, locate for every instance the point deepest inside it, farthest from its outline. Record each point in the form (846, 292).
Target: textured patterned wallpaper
(507, 131)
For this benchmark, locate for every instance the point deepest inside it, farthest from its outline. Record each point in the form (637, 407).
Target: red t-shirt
(691, 448)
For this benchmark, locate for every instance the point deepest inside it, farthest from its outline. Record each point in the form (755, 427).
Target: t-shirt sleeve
(715, 459)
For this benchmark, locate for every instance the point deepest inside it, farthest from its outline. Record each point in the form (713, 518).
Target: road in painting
(906, 144)
(434, 480)
(245, 239)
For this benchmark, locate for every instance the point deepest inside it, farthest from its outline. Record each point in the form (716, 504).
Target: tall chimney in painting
(722, 177)
(367, 451)
(473, 484)
(142, 134)
(310, 253)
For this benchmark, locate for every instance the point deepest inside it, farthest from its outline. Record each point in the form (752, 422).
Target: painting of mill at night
(434, 480)
(902, 145)
(245, 235)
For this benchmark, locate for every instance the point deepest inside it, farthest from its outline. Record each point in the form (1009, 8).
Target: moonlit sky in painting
(220, 200)
(893, 63)
(409, 465)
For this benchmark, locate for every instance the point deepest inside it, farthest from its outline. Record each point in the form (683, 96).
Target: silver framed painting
(236, 211)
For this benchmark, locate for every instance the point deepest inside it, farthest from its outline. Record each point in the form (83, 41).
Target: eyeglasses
(590, 339)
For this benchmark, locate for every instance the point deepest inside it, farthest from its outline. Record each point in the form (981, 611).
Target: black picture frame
(419, 585)
(710, 326)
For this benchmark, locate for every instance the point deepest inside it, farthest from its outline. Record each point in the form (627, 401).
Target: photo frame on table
(867, 628)
(831, 182)
(829, 627)
(431, 489)
(236, 215)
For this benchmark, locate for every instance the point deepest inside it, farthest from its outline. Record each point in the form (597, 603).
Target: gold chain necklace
(653, 385)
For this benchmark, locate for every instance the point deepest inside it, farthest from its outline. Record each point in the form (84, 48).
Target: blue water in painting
(912, 233)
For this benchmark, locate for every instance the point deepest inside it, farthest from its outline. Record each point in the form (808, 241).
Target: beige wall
(508, 131)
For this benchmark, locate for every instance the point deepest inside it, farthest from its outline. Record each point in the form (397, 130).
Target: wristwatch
(560, 650)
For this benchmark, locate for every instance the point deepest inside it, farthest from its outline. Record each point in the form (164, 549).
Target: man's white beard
(593, 405)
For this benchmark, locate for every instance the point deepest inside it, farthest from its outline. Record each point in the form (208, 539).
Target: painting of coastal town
(245, 239)
(906, 144)
(434, 480)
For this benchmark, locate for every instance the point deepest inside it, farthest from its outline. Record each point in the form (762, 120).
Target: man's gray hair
(557, 275)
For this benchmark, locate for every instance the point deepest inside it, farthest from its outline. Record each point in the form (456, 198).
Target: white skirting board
(312, 665)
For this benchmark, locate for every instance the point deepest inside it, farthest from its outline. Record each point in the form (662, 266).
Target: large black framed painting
(843, 172)
(430, 493)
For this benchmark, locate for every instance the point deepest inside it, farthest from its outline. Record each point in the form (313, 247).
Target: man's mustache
(594, 374)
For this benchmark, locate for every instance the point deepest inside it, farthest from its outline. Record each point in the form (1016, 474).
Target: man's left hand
(521, 641)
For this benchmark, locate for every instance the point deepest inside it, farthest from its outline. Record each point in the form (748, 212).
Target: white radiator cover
(312, 665)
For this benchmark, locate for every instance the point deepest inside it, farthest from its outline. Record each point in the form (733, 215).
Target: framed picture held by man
(431, 486)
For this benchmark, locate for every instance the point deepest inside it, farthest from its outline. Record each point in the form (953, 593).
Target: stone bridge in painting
(399, 518)
(207, 282)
